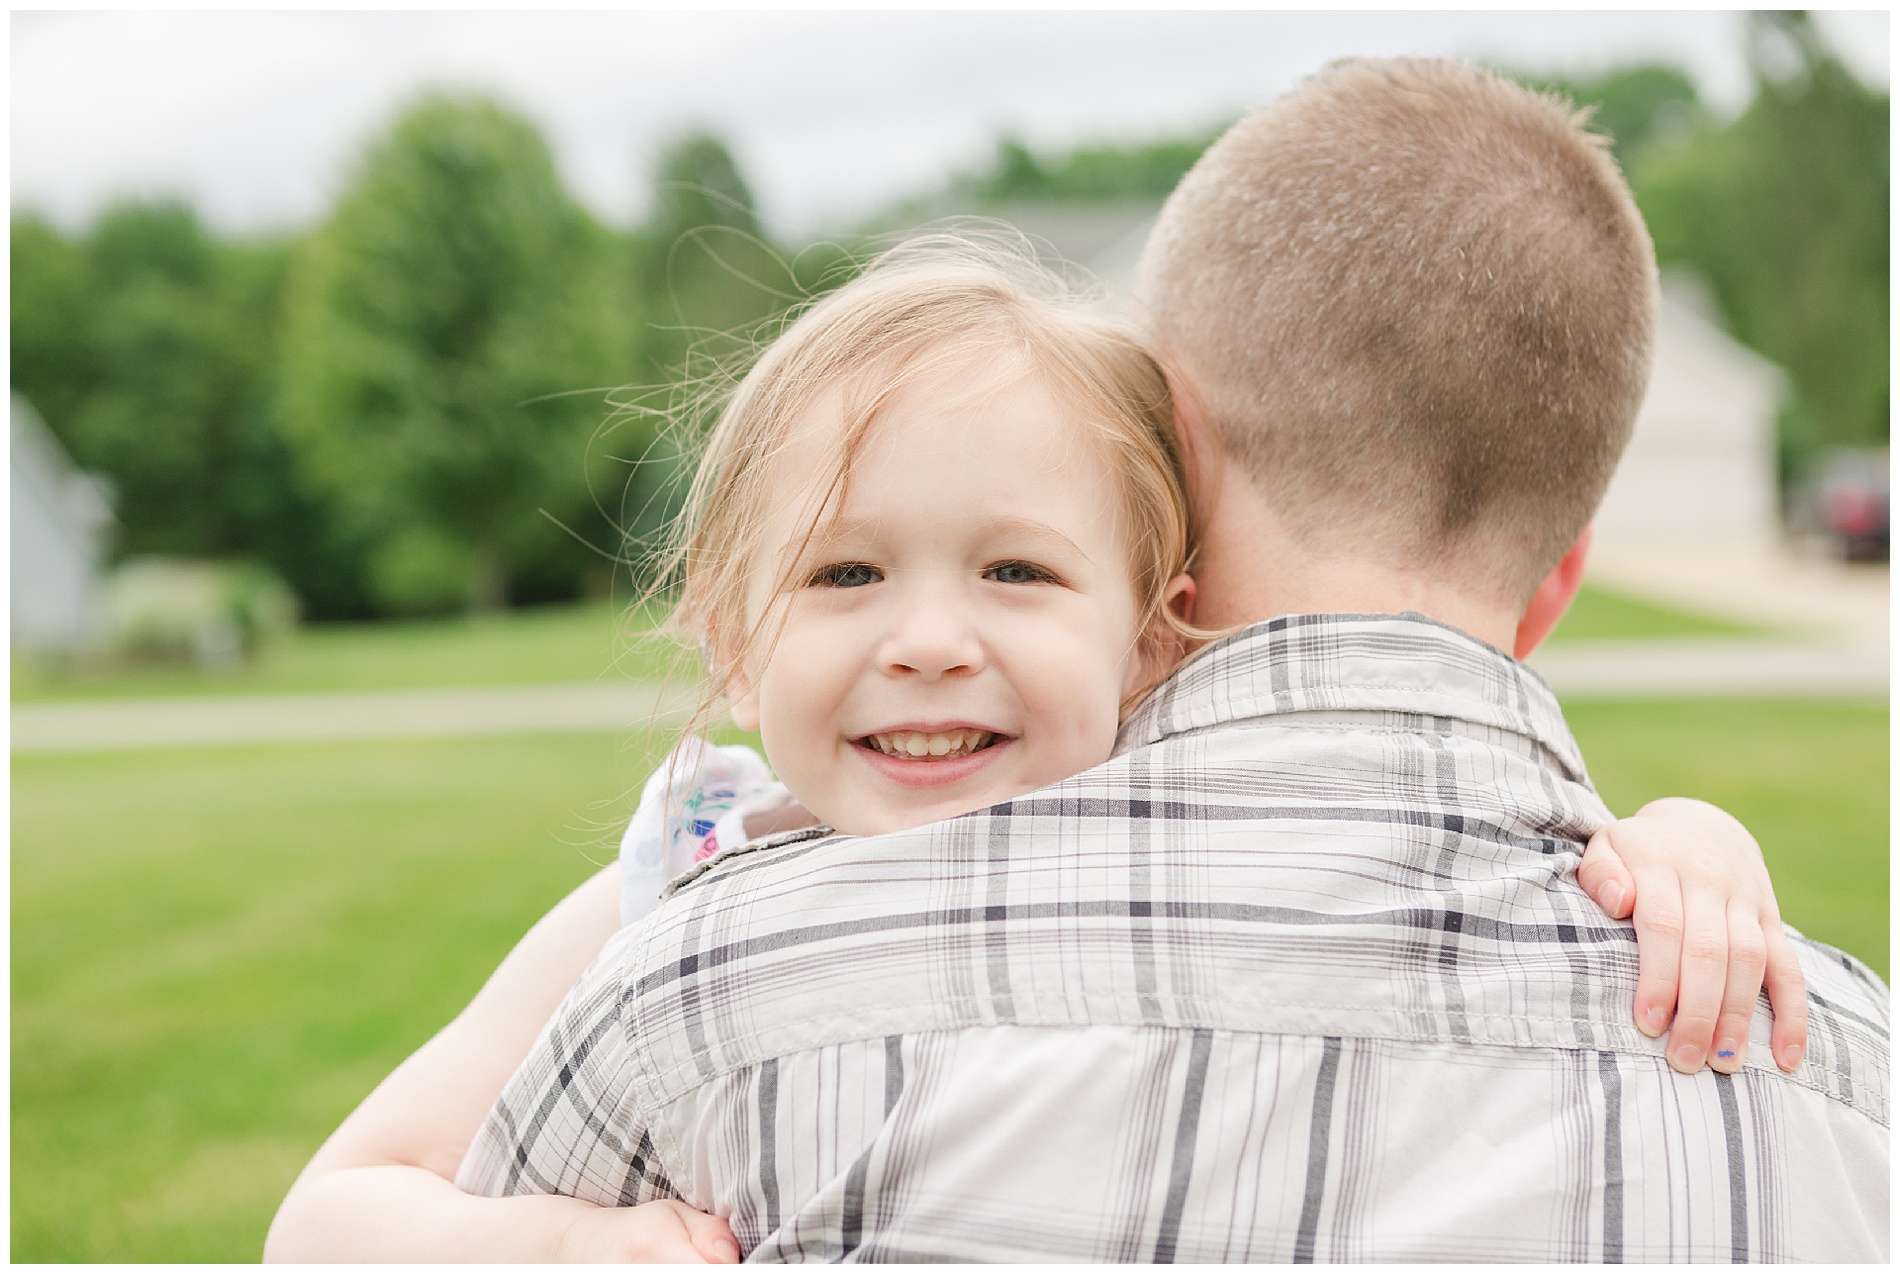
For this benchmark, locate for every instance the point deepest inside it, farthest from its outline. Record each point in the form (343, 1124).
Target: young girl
(937, 548)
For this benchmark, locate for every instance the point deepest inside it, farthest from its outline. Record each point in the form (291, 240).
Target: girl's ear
(742, 700)
(1162, 646)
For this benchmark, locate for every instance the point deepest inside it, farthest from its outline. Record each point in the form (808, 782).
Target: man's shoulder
(1850, 1029)
(1846, 977)
(1262, 908)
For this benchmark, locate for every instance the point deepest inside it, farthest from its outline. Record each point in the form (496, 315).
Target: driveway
(367, 714)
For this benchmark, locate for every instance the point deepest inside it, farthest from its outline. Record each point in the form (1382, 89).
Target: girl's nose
(932, 640)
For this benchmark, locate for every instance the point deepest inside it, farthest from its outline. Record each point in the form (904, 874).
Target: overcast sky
(255, 116)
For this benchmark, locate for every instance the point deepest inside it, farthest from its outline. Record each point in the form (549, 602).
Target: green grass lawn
(1600, 615)
(1809, 778)
(217, 952)
(550, 643)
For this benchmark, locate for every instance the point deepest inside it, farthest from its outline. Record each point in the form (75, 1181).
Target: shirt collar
(1330, 663)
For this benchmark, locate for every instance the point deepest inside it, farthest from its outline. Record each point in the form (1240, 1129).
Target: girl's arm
(381, 1188)
(1707, 931)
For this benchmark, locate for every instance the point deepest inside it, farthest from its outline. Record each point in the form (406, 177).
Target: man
(1304, 973)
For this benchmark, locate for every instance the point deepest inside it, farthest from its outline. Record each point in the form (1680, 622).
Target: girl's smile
(932, 756)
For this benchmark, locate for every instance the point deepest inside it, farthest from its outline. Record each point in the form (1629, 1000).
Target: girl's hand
(665, 1232)
(1707, 930)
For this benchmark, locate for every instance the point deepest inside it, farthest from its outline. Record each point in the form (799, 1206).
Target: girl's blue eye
(846, 575)
(1018, 573)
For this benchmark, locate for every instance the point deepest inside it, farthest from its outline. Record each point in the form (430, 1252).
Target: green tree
(706, 272)
(707, 283)
(1090, 172)
(445, 328)
(53, 360)
(150, 348)
(1785, 211)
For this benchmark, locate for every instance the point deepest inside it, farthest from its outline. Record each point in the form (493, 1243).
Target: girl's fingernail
(1655, 1020)
(1610, 897)
(1728, 1051)
(1687, 1059)
(1790, 1057)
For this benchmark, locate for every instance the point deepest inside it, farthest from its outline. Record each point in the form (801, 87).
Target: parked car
(1845, 498)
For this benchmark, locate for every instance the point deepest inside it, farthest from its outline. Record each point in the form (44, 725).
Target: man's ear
(1552, 598)
(1178, 598)
(1200, 449)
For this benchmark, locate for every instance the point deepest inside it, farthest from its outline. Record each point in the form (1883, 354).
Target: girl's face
(963, 629)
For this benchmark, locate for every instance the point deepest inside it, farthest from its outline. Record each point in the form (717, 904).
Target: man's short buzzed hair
(1417, 302)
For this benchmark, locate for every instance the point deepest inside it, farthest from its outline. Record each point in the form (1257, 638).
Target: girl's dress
(693, 806)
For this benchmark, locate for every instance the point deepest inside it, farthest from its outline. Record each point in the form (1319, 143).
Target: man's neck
(1251, 568)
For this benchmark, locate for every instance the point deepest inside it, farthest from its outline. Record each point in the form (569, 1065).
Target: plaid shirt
(1303, 973)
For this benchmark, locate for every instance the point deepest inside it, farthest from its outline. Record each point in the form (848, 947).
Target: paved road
(1703, 667)
(1758, 581)
(1659, 668)
(368, 714)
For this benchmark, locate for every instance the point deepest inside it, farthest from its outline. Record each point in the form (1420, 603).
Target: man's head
(1415, 303)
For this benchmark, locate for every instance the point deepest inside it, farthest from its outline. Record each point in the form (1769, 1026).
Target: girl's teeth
(910, 743)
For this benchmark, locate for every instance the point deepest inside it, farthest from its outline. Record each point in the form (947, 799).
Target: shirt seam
(643, 1092)
(658, 1087)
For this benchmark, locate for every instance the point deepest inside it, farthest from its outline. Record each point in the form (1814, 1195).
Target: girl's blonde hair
(917, 310)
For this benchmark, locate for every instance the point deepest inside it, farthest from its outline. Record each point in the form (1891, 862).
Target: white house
(1701, 464)
(61, 524)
